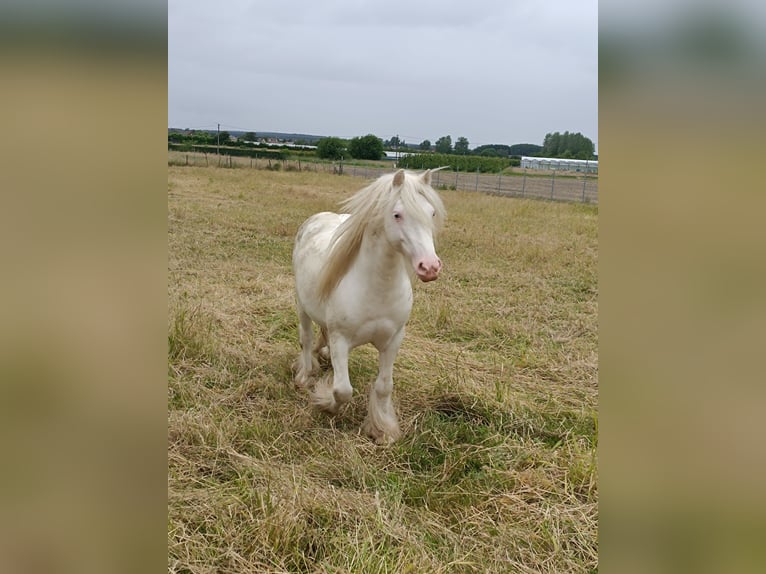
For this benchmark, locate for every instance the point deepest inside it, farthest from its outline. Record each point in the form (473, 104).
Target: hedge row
(234, 151)
(455, 162)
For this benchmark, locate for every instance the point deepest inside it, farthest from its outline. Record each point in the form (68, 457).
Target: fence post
(499, 180)
(476, 188)
(584, 180)
(187, 159)
(437, 179)
(457, 171)
(524, 182)
(553, 182)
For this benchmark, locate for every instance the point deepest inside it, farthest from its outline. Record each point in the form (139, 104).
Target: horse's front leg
(381, 423)
(304, 365)
(330, 397)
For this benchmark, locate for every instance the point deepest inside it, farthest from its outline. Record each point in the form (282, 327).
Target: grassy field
(495, 385)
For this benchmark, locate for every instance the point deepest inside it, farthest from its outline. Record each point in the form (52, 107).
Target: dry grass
(495, 385)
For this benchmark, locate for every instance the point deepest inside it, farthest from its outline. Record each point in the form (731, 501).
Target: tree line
(556, 145)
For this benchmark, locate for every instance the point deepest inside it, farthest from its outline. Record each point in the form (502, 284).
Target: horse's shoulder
(319, 222)
(322, 216)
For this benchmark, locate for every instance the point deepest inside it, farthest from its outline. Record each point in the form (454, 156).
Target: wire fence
(550, 185)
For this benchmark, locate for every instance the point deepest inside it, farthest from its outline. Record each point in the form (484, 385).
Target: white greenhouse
(559, 164)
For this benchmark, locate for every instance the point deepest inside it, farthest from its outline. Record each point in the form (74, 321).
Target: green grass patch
(495, 387)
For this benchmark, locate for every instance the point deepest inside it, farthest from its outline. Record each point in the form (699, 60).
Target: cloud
(495, 70)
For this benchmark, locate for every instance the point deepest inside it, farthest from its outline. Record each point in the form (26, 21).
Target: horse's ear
(426, 177)
(399, 178)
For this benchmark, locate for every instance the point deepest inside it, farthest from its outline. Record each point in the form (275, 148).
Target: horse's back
(312, 243)
(318, 226)
(314, 235)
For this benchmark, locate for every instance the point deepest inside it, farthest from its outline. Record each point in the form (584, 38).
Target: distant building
(560, 164)
(394, 155)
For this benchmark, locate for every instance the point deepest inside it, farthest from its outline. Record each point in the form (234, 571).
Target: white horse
(353, 277)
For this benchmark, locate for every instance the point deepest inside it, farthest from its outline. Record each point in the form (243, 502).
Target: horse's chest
(377, 331)
(376, 322)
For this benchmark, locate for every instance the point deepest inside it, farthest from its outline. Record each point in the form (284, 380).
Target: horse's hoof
(322, 404)
(385, 440)
(301, 380)
(322, 397)
(379, 436)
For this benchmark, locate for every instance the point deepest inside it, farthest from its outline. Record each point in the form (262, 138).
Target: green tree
(366, 147)
(444, 144)
(331, 148)
(425, 145)
(394, 143)
(524, 149)
(249, 136)
(461, 146)
(204, 137)
(499, 150)
(567, 145)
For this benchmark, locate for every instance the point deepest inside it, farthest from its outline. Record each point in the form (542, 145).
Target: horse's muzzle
(428, 269)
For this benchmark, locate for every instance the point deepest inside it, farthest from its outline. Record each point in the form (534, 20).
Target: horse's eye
(397, 215)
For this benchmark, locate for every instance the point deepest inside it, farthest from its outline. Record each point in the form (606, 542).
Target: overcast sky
(493, 71)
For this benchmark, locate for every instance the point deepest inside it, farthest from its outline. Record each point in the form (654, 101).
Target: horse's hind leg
(305, 363)
(321, 349)
(381, 423)
(330, 397)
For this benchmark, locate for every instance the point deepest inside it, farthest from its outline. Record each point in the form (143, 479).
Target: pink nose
(428, 268)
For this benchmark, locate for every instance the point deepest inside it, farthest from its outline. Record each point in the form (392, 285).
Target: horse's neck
(379, 261)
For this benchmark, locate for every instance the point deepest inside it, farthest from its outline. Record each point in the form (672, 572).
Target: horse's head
(413, 221)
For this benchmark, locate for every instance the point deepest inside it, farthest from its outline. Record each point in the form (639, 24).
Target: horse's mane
(367, 211)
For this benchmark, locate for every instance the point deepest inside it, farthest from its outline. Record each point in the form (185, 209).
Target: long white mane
(368, 209)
